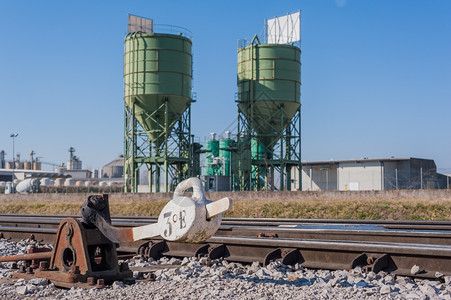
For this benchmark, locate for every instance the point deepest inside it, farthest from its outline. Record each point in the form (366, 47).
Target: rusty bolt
(91, 280)
(22, 269)
(270, 235)
(34, 264)
(151, 277)
(44, 265)
(100, 283)
(370, 260)
(143, 250)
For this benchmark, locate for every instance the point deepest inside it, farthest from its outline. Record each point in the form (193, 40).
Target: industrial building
(18, 169)
(114, 169)
(371, 175)
(21, 174)
(74, 168)
(71, 174)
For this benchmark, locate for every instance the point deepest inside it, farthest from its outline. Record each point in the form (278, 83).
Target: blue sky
(376, 74)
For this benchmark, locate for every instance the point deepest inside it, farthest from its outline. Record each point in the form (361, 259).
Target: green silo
(157, 98)
(257, 149)
(212, 150)
(157, 69)
(269, 79)
(269, 83)
(226, 155)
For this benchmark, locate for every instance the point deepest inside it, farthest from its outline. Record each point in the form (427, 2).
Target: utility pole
(13, 135)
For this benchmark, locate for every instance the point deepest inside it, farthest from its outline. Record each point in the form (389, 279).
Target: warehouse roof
(360, 160)
(22, 174)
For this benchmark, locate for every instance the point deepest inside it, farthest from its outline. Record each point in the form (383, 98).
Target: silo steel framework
(252, 171)
(171, 159)
(269, 122)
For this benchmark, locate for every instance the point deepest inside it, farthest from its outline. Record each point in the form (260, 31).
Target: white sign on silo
(284, 30)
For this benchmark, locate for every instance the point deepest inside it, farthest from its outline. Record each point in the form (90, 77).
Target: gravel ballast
(218, 279)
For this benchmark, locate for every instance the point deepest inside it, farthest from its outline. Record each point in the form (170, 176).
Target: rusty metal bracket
(374, 262)
(218, 251)
(202, 251)
(292, 257)
(156, 250)
(286, 256)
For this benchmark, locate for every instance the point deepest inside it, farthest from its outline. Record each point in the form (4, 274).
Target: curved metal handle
(193, 182)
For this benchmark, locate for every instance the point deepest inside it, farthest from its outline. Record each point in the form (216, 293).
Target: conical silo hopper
(157, 79)
(269, 88)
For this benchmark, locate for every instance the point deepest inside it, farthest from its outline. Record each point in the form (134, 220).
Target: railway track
(392, 246)
(388, 224)
(427, 232)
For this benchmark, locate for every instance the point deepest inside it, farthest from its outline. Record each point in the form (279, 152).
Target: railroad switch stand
(82, 255)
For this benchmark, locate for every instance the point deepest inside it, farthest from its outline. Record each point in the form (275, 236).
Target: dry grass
(327, 207)
(40, 207)
(344, 209)
(128, 207)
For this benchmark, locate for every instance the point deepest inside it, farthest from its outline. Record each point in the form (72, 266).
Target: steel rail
(389, 224)
(264, 221)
